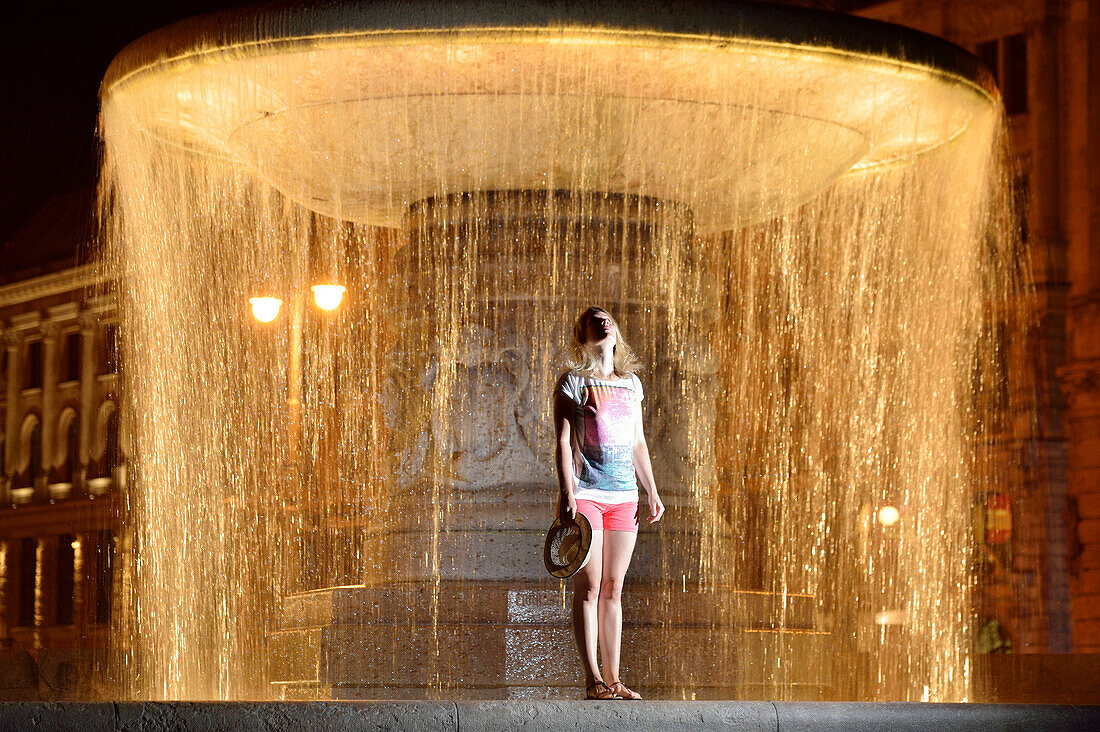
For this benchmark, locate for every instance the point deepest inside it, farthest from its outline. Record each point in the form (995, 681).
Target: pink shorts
(609, 516)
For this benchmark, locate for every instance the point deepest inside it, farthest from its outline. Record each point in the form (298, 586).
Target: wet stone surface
(535, 716)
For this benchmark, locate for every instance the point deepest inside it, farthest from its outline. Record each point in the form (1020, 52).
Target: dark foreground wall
(530, 716)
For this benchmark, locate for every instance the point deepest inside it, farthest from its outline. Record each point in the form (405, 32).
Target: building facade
(1046, 57)
(62, 472)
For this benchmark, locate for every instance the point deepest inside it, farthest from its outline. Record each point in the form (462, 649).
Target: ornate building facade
(1045, 585)
(62, 472)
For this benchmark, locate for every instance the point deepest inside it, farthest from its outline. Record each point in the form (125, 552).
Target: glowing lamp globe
(328, 297)
(265, 309)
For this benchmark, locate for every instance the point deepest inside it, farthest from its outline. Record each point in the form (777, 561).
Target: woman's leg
(586, 595)
(618, 546)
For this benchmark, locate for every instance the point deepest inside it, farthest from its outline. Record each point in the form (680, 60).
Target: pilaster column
(49, 403)
(88, 361)
(13, 341)
(1049, 246)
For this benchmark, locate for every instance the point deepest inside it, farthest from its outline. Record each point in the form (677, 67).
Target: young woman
(600, 449)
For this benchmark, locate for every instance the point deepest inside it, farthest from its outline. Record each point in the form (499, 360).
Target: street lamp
(328, 296)
(888, 515)
(265, 309)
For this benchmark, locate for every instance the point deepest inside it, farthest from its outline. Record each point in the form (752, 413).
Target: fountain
(796, 216)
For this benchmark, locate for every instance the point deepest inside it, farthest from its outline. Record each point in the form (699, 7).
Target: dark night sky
(54, 56)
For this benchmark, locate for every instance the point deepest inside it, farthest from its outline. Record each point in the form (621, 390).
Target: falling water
(807, 248)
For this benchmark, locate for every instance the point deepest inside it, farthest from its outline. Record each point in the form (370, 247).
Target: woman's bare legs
(618, 546)
(586, 598)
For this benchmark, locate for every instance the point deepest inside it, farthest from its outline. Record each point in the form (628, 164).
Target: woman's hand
(656, 508)
(567, 508)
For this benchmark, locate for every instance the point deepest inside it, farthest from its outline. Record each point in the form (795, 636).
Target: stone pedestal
(464, 605)
(495, 640)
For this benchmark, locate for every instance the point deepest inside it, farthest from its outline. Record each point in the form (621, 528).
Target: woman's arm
(563, 428)
(643, 466)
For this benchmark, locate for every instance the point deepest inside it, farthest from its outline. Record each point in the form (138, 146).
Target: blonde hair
(624, 361)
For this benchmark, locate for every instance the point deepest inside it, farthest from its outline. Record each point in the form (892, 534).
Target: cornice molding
(66, 311)
(55, 283)
(28, 321)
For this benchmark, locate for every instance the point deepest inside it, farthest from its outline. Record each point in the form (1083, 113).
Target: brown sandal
(619, 690)
(598, 690)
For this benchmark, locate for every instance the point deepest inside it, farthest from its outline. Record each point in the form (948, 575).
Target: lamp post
(266, 309)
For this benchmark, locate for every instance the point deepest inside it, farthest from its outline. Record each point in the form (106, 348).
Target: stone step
(516, 555)
(516, 655)
(417, 603)
(570, 692)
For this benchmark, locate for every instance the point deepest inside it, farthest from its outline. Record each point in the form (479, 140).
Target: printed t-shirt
(603, 424)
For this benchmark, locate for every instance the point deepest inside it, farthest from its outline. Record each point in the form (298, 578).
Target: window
(28, 566)
(72, 450)
(1007, 59)
(110, 349)
(33, 445)
(32, 377)
(104, 561)
(72, 357)
(112, 452)
(35, 467)
(1021, 194)
(66, 559)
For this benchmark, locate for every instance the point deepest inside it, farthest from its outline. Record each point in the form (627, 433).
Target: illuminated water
(807, 247)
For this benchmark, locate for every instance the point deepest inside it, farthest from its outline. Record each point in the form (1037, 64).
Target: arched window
(68, 446)
(28, 460)
(112, 452)
(35, 468)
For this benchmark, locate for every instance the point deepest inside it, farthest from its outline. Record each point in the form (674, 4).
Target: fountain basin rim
(280, 25)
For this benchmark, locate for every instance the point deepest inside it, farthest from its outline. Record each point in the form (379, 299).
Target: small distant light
(888, 515)
(891, 617)
(328, 297)
(75, 544)
(265, 309)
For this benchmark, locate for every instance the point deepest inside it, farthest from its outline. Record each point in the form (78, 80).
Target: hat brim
(562, 571)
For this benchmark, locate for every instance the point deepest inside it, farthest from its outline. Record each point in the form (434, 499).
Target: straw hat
(568, 546)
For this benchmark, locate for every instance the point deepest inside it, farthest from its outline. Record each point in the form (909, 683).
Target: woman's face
(599, 328)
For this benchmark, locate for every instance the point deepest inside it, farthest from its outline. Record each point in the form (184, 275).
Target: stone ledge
(535, 716)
